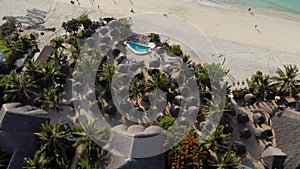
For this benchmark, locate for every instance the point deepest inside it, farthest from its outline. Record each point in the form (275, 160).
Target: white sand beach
(247, 49)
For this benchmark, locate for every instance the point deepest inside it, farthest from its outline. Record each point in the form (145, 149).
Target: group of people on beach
(93, 1)
(255, 26)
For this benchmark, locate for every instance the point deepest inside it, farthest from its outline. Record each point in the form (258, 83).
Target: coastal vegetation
(61, 146)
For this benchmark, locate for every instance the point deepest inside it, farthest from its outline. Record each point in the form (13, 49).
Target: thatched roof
(287, 129)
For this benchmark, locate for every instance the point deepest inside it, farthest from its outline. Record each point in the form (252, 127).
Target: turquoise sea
(274, 6)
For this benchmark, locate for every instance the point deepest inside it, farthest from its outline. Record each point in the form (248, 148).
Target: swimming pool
(137, 48)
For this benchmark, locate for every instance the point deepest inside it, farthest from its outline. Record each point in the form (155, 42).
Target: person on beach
(131, 10)
(250, 11)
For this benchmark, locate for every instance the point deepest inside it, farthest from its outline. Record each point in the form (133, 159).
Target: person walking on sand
(131, 10)
(250, 11)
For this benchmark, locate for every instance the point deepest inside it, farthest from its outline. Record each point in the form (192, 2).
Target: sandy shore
(274, 42)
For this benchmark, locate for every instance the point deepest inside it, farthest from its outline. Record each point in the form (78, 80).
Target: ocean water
(291, 7)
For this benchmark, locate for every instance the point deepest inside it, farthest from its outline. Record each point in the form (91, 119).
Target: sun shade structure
(239, 148)
(242, 118)
(245, 133)
(274, 157)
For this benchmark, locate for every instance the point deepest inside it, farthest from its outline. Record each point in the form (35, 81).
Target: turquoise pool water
(287, 6)
(137, 48)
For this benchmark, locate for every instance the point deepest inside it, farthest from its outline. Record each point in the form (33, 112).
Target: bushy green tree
(71, 26)
(85, 21)
(176, 50)
(8, 28)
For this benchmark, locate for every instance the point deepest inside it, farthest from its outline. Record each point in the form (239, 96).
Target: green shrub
(176, 50)
(240, 94)
(154, 37)
(166, 122)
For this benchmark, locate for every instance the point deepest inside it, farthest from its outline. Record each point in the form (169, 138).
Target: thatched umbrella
(115, 52)
(239, 148)
(110, 109)
(248, 98)
(122, 68)
(245, 133)
(183, 121)
(260, 133)
(242, 118)
(175, 110)
(178, 99)
(77, 87)
(208, 126)
(120, 59)
(227, 129)
(258, 119)
(154, 63)
(152, 72)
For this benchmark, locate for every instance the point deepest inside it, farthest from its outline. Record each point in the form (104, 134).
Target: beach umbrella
(227, 129)
(110, 109)
(245, 133)
(192, 101)
(248, 98)
(115, 52)
(242, 118)
(88, 33)
(170, 96)
(178, 100)
(205, 125)
(270, 95)
(183, 121)
(159, 116)
(239, 148)
(258, 119)
(122, 68)
(167, 68)
(120, 59)
(94, 26)
(154, 63)
(140, 76)
(260, 133)
(175, 110)
(103, 30)
(77, 87)
(193, 111)
(152, 72)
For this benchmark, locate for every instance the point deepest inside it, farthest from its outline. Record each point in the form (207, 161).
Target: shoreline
(290, 15)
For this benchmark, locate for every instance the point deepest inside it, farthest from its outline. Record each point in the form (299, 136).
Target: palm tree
(136, 88)
(228, 160)
(107, 74)
(158, 81)
(20, 88)
(4, 159)
(217, 141)
(75, 49)
(287, 80)
(51, 74)
(90, 152)
(55, 143)
(260, 84)
(39, 161)
(52, 99)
